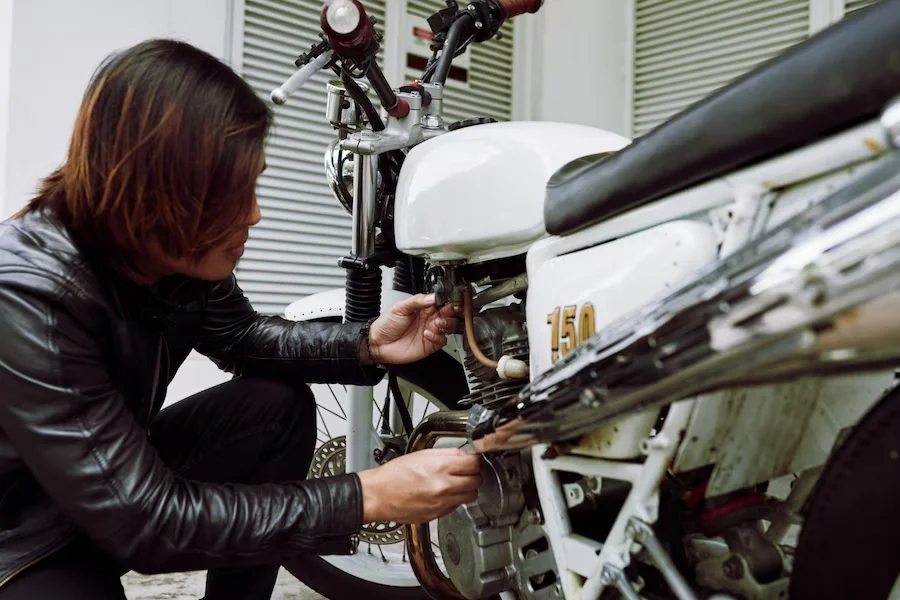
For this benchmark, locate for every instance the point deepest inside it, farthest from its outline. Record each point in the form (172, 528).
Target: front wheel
(380, 569)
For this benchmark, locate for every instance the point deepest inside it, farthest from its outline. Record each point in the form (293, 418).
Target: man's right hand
(420, 487)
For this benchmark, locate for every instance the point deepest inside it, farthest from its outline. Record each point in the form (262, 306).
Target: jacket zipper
(33, 562)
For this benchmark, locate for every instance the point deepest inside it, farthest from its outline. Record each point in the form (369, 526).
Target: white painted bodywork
(477, 194)
(615, 278)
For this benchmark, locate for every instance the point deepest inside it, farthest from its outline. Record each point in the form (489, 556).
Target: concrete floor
(189, 586)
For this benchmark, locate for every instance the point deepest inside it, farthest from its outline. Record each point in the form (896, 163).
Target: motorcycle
(678, 358)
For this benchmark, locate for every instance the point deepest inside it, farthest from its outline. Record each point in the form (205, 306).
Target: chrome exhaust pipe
(448, 424)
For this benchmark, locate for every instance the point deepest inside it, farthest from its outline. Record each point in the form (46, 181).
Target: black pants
(243, 431)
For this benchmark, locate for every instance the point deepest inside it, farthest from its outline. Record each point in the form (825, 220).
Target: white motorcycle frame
(734, 209)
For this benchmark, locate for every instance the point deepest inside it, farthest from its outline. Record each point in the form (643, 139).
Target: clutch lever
(296, 81)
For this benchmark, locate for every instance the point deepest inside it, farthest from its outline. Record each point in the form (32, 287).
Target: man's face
(219, 262)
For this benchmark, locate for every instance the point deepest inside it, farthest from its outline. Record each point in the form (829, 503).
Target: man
(121, 266)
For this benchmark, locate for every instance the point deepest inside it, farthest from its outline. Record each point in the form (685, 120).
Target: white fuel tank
(477, 193)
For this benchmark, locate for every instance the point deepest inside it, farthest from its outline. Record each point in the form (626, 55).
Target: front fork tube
(360, 432)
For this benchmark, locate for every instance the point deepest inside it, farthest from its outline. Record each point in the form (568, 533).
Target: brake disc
(330, 459)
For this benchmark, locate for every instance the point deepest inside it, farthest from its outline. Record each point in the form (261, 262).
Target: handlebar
(514, 8)
(483, 19)
(351, 35)
(299, 79)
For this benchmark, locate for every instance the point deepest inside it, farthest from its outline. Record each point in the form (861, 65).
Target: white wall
(583, 63)
(56, 45)
(6, 29)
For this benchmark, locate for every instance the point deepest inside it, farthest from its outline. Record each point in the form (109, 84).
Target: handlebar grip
(514, 8)
(299, 79)
(348, 28)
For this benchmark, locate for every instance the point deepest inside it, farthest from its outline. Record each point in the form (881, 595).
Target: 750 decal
(569, 328)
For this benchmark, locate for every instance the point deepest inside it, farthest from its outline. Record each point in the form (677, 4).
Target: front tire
(442, 379)
(849, 545)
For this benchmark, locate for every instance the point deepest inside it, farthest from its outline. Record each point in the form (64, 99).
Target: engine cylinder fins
(500, 332)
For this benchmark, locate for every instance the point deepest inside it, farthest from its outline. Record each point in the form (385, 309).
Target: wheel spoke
(322, 421)
(344, 418)
(338, 402)
(381, 419)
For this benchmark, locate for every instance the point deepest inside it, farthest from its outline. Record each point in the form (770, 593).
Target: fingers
(463, 464)
(438, 339)
(465, 485)
(448, 310)
(446, 325)
(413, 305)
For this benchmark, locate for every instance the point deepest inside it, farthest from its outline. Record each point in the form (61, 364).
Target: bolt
(532, 516)
(590, 398)
(733, 568)
(814, 293)
(432, 122)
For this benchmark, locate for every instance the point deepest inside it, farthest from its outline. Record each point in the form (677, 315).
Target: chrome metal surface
(398, 133)
(360, 431)
(816, 296)
(340, 109)
(365, 171)
(501, 290)
(339, 166)
(890, 121)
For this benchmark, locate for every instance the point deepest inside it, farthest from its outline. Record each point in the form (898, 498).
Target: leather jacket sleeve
(82, 444)
(243, 342)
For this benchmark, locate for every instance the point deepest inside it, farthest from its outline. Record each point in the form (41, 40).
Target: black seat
(842, 77)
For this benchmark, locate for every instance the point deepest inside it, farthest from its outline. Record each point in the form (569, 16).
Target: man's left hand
(412, 330)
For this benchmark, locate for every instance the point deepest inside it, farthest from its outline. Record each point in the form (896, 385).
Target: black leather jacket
(85, 358)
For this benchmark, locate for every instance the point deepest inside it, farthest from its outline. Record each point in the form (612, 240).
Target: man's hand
(420, 487)
(412, 330)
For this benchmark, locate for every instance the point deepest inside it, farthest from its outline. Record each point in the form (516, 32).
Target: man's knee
(291, 408)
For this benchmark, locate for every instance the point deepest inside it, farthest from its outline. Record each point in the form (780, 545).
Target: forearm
(244, 342)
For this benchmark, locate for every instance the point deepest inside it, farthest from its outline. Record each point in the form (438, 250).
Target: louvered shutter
(294, 251)
(851, 6)
(488, 91)
(686, 49)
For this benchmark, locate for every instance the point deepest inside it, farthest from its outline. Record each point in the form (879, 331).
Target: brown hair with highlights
(166, 149)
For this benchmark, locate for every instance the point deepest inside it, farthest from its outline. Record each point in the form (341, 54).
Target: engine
(497, 543)
(500, 332)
